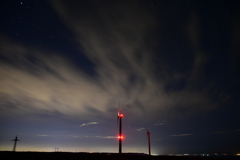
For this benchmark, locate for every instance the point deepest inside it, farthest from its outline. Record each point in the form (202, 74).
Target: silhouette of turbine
(149, 145)
(120, 137)
(15, 143)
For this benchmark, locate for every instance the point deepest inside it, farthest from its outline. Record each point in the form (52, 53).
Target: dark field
(96, 156)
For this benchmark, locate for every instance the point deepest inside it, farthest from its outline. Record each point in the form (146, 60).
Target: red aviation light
(120, 115)
(120, 137)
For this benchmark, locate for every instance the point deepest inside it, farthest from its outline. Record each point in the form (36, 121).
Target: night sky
(173, 66)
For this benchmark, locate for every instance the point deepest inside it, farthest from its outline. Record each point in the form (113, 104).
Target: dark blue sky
(173, 66)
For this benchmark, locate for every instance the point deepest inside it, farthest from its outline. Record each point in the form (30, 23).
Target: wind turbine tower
(15, 143)
(120, 136)
(149, 145)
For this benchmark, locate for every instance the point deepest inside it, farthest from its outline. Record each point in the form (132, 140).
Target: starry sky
(172, 67)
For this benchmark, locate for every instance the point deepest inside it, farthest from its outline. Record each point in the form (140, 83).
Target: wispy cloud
(126, 64)
(75, 136)
(43, 135)
(89, 123)
(102, 137)
(227, 132)
(107, 137)
(140, 129)
(161, 123)
(180, 135)
(36, 81)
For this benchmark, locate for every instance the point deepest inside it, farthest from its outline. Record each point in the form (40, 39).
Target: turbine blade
(118, 108)
(117, 116)
(147, 135)
(117, 122)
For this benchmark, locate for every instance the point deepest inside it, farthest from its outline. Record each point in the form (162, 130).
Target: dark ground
(96, 156)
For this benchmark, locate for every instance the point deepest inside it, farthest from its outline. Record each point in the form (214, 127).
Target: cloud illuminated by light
(102, 137)
(35, 81)
(89, 123)
(107, 137)
(140, 129)
(161, 123)
(75, 136)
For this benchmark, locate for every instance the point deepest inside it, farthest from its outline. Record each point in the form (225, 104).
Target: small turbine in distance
(15, 143)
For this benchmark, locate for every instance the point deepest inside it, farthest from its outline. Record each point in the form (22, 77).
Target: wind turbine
(120, 137)
(15, 143)
(149, 146)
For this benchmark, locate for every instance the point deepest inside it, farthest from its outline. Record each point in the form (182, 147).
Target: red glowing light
(120, 115)
(120, 137)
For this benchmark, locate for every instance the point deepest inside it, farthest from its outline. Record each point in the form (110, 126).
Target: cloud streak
(125, 61)
(37, 81)
(161, 123)
(89, 123)
(181, 135)
(227, 132)
(140, 129)
(107, 137)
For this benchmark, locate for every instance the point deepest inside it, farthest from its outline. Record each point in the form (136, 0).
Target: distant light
(21, 3)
